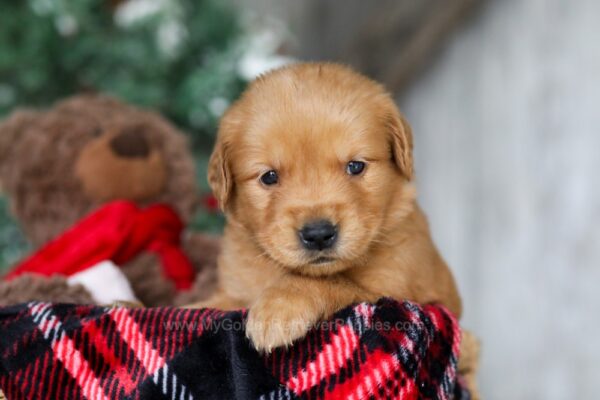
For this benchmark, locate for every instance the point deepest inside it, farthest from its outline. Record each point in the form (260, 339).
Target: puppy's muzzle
(318, 235)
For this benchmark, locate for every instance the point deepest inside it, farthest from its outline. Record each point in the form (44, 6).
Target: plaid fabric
(368, 351)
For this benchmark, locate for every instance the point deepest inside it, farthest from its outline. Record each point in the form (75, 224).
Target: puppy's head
(315, 162)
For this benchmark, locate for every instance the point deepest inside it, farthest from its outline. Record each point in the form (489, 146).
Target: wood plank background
(507, 126)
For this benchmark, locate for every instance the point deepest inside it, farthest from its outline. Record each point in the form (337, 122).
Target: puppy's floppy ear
(401, 143)
(219, 173)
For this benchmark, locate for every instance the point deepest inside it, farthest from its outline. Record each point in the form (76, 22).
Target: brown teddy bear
(56, 166)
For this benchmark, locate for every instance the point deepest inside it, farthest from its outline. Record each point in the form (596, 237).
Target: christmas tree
(175, 56)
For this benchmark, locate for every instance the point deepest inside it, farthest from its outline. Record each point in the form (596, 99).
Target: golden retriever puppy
(313, 168)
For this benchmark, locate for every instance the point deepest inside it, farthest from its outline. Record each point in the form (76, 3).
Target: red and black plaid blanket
(368, 351)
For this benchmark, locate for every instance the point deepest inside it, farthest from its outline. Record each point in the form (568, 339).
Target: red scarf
(118, 231)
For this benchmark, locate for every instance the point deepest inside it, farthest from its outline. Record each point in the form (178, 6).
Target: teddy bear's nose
(130, 144)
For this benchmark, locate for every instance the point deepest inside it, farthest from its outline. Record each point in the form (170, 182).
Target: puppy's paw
(278, 319)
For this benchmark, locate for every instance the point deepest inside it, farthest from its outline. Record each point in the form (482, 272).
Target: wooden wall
(507, 126)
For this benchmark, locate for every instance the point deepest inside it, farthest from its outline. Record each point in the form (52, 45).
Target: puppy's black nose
(318, 235)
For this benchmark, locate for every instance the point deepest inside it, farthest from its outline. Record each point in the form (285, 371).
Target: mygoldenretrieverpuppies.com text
(228, 325)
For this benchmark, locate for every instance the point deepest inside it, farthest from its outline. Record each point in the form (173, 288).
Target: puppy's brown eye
(355, 167)
(269, 178)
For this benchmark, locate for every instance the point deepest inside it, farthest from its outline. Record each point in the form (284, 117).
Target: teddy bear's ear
(12, 130)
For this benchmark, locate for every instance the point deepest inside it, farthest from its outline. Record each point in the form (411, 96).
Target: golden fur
(307, 121)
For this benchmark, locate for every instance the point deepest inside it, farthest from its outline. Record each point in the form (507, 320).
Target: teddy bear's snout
(130, 144)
